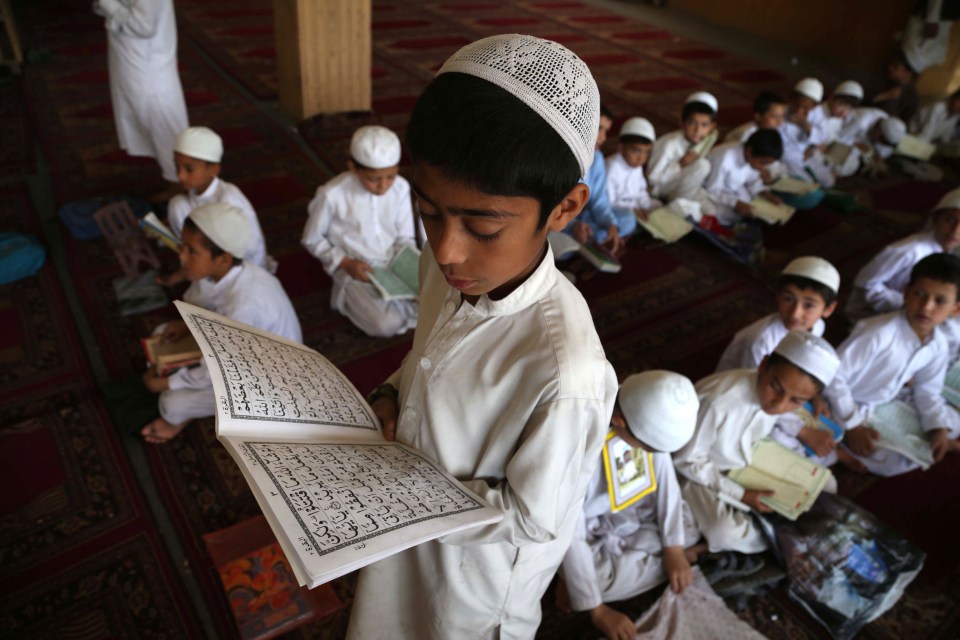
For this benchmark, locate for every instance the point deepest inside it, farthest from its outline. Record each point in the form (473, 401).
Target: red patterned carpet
(83, 552)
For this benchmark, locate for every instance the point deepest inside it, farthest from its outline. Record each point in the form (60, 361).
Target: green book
(400, 280)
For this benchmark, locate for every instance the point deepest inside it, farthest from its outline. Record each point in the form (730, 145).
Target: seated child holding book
(738, 408)
(626, 184)
(735, 176)
(875, 134)
(678, 166)
(828, 119)
(360, 220)
(769, 111)
(620, 552)
(214, 237)
(198, 155)
(900, 354)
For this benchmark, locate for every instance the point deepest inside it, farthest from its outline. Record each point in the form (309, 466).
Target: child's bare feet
(160, 431)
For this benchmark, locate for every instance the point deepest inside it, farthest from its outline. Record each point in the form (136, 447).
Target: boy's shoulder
(732, 387)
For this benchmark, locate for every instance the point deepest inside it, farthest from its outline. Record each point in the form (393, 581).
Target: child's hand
(765, 176)
(677, 568)
(820, 407)
(153, 382)
(612, 623)
(581, 231)
(689, 158)
(861, 440)
(174, 331)
(356, 269)
(820, 440)
(386, 409)
(751, 498)
(809, 152)
(614, 241)
(939, 444)
(642, 214)
(744, 209)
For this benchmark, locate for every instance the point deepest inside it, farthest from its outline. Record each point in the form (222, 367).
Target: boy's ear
(829, 309)
(351, 166)
(568, 209)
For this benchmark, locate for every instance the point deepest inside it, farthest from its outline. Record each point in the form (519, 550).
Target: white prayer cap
(811, 353)
(816, 269)
(810, 87)
(201, 143)
(951, 200)
(706, 98)
(638, 127)
(660, 408)
(893, 130)
(849, 88)
(224, 225)
(375, 147)
(545, 76)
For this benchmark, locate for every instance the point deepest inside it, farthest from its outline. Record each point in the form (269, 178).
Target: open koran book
(336, 494)
(770, 212)
(401, 280)
(665, 224)
(795, 480)
(705, 146)
(153, 226)
(914, 147)
(898, 424)
(794, 186)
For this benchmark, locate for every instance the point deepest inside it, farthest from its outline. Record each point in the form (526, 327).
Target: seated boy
(737, 408)
(806, 295)
(735, 175)
(797, 130)
(197, 155)
(879, 285)
(618, 555)
(875, 134)
(829, 118)
(359, 221)
(769, 111)
(626, 184)
(902, 353)
(214, 236)
(938, 122)
(506, 386)
(675, 169)
(598, 220)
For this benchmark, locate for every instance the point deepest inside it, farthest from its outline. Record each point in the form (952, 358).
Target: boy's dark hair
(775, 359)
(942, 267)
(363, 167)
(605, 112)
(482, 136)
(850, 101)
(954, 95)
(631, 138)
(697, 107)
(766, 99)
(765, 143)
(215, 251)
(829, 295)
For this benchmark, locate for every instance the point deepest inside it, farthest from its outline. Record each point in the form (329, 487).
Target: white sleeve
(928, 398)
(669, 502)
(197, 377)
(717, 185)
(693, 460)
(177, 211)
(579, 572)
(404, 227)
(660, 160)
(856, 354)
(873, 277)
(138, 18)
(315, 239)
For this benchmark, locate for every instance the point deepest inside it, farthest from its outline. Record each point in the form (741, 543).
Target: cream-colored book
(663, 223)
(771, 212)
(898, 424)
(705, 146)
(914, 147)
(787, 184)
(838, 153)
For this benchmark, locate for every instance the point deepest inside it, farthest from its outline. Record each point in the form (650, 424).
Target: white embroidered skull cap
(849, 88)
(893, 130)
(638, 127)
(705, 97)
(201, 143)
(811, 353)
(224, 225)
(375, 147)
(816, 269)
(545, 76)
(660, 408)
(810, 87)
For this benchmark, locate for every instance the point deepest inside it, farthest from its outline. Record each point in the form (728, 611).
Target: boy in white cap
(736, 175)
(798, 128)
(806, 295)
(901, 354)
(616, 555)
(737, 408)
(829, 117)
(506, 386)
(938, 122)
(675, 169)
(359, 221)
(214, 237)
(874, 132)
(198, 155)
(626, 184)
(879, 285)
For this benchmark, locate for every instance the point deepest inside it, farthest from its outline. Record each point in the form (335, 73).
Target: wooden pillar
(324, 51)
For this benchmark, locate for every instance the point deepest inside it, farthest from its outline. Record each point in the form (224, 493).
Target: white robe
(246, 294)
(729, 422)
(667, 179)
(856, 130)
(615, 556)
(148, 104)
(934, 123)
(219, 190)
(756, 341)
(626, 185)
(742, 134)
(513, 397)
(347, 221)
(731, 180)
(878, 286)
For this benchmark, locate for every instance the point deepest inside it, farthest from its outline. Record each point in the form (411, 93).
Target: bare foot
(692, 553)
(160, 431)
(845, 458)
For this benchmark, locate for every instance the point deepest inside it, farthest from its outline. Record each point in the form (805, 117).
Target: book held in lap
(400, 280)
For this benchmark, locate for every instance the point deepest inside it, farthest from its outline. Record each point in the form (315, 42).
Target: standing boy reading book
(621, 550)
(903, 353)
(677, 169)
(738, 408)
(360, 221)
(506, 386)
(214, 237)
(626, 184)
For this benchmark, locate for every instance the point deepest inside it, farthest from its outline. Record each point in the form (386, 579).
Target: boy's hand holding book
(862, 440)
(771, 197)
(356, 269)
(744, 209)
(581, 232)
(752, 497)
(939, 444)
(614, 241)
(689, 158)
(820, 440)
(153, 382)
(174, 331)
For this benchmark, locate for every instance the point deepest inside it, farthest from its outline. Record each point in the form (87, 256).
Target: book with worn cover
(705, 146)
(795, 480)
(771, 212)
(597, 255)
(898, 424)
(793, 186)
(665, 224)
(168, 357)
(400, 280)
(337, 495)
(822, 422)
(914, 147)
(153, 226)
(629, 472)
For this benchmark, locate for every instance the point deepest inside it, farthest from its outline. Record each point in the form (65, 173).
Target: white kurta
(731, 180)
(934, 123)
(729, 422)
(148, 104)
(879, 284)
(742, 134)
(219, 190)
(347, 221)
(666, 178)
(795, 143)
(246, 294)
(615, 556)
(513, 397)
(626, 185)
(756, 341)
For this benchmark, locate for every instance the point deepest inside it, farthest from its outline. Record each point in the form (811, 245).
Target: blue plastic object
(20, 256)
(78, 215)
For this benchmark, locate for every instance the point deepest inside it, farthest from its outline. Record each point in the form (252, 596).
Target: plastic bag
(20, 256)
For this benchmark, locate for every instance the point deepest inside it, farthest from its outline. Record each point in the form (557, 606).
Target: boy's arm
(873, 276)
(197, 377)
(669, 502)
(660, 160)
(314, 237)
(136, 18)
(580, 573)
(928, 398)
(693, 460)
(857, 354)
(599, 203)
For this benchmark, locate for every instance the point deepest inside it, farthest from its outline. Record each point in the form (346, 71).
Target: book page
(664, 224)
(787, 499)
(261, 378)
(338, 507)
(900, 430)
(838, 153)
(704, 147)
(151, 224)
(390, 286)
(794, 186)
(406, 266)
(914, 147)
(771, 212)
(795, 479)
